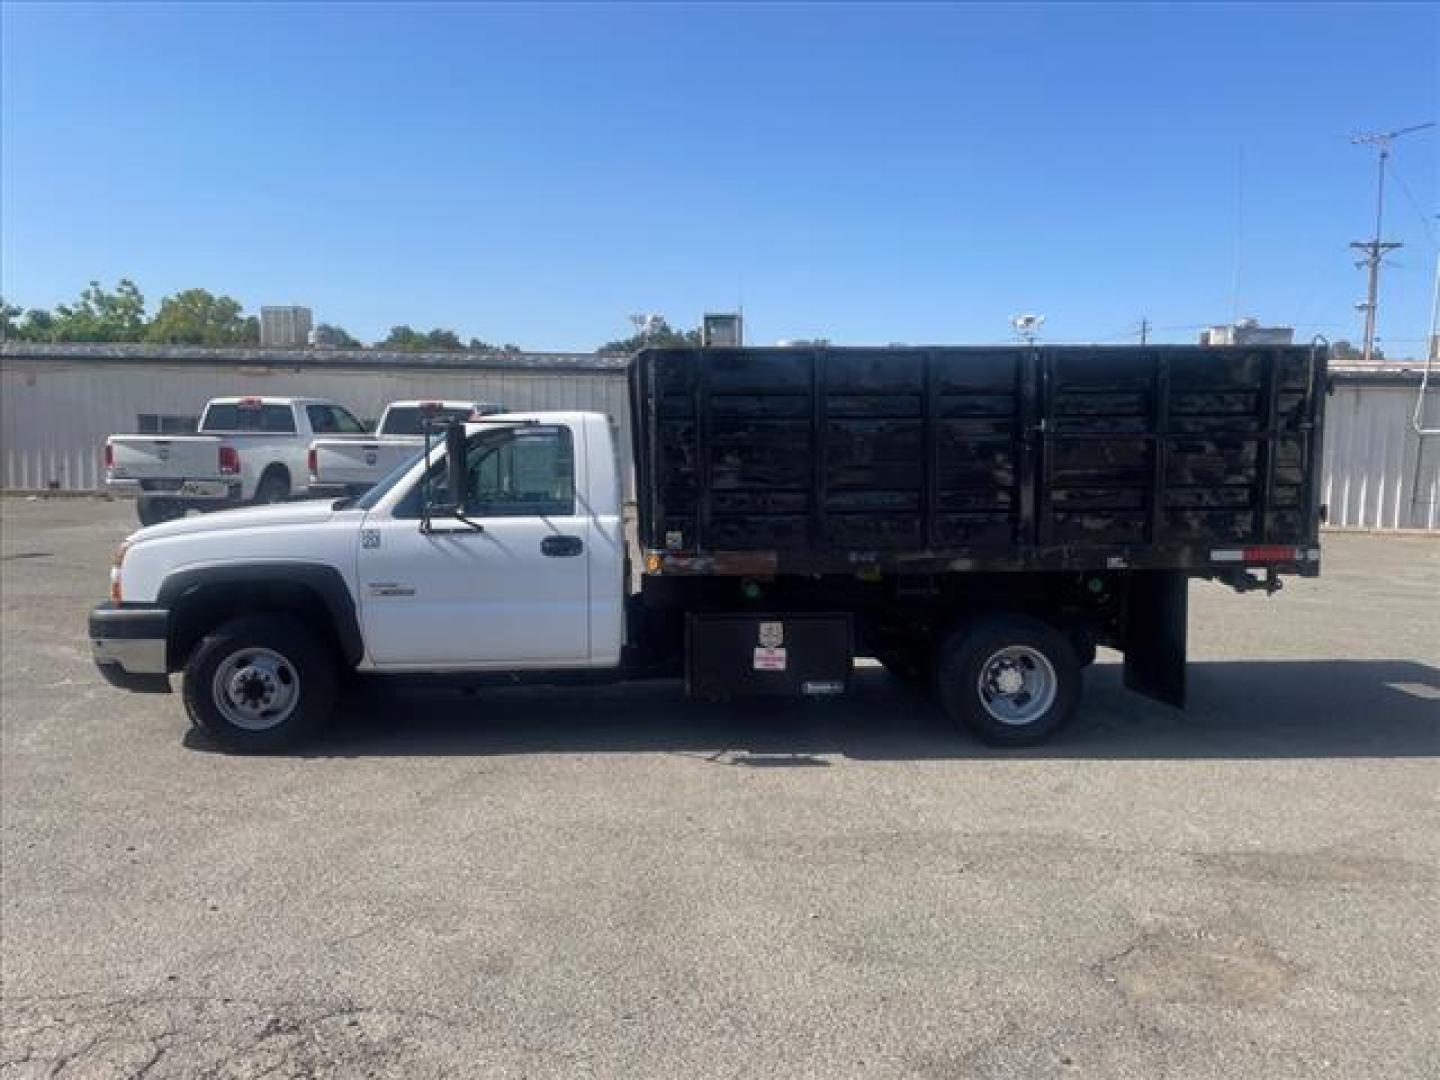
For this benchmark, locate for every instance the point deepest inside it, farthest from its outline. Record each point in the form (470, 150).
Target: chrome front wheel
(261, 682)
(256, 689)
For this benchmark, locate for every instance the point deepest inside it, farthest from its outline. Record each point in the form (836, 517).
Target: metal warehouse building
(60, 401)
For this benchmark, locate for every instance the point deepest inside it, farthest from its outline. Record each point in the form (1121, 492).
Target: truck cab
(522, 571)
(512, 562)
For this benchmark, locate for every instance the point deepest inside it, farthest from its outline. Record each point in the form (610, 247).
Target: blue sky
(867, 174)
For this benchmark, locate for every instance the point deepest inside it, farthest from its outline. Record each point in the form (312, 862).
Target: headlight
(116, 565)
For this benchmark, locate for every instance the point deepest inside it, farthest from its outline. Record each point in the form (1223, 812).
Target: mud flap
(1157, 603)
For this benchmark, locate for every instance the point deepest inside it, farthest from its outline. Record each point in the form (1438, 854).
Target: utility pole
(1144, 330)
(1376, 248)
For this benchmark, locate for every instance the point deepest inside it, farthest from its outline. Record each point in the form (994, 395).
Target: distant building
(285, 327)
(722, 328)
(1247, 332)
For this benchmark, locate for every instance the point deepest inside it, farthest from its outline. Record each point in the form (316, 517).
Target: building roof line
(254, 356)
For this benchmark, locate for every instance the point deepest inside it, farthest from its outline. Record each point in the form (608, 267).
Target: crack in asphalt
(218, 1037)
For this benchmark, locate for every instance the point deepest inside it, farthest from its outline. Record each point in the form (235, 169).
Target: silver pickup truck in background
(343, 466)
(248, 450)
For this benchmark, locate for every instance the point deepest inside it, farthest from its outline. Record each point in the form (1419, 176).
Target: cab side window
(529, 472)
(516, 472)
(332, 420)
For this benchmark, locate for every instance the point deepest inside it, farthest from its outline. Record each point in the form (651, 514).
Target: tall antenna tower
(1376, 248)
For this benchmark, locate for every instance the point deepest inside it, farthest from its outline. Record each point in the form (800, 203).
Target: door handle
(559, 547)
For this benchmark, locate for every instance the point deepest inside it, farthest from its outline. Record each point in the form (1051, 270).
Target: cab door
(509, 587)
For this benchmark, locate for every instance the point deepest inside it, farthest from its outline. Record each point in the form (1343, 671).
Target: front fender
(325, 581)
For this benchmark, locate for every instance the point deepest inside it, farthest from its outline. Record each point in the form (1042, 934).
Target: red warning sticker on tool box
(769, 658)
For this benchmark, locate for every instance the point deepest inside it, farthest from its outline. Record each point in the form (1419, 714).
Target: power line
(1415, 203)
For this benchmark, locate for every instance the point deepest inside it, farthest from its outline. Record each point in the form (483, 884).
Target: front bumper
(129, 646)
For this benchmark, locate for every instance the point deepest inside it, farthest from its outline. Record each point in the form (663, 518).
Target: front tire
(260, 683)
(1010, 680)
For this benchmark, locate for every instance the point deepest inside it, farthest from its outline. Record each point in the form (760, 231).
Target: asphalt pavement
(621, 883)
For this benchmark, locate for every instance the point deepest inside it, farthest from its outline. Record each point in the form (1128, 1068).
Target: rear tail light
(1271, 553)
(229, 461)
(312, 461)
(109, 456)
(250, 403)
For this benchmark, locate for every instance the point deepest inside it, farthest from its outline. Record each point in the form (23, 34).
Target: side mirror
(453, 503)
(455, 466)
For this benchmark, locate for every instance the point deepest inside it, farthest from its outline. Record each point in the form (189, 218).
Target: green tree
(657, 333)
(1342, 352)
(334, 337)
(405, 339)
(444, 339)
(9, 321)
(39, 325)
(198, 317)
(99, 315)
(400, 337)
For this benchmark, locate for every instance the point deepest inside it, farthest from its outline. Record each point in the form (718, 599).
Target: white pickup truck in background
(248, 450)
(345, 466)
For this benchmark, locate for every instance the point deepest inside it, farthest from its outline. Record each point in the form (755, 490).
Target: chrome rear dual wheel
(1011, 680)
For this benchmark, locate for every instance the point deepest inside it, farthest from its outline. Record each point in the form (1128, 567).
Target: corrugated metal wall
(1378, 472)
(55, 416)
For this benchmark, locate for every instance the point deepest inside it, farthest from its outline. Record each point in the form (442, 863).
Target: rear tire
(1010, 680)
(156, 511)
(274, 487)
(260, 683)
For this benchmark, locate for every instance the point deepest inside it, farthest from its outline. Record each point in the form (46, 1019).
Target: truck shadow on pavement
(1238, 709)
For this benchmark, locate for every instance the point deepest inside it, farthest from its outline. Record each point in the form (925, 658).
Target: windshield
(248, 416)
(410, 419)
(380, 490)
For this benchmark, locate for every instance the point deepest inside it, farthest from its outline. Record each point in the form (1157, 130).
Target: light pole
(1027, 327)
